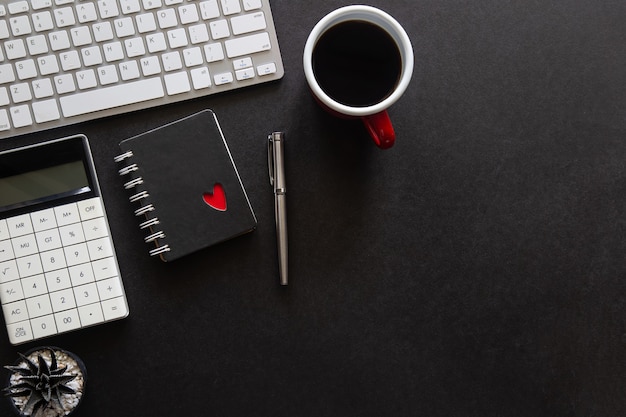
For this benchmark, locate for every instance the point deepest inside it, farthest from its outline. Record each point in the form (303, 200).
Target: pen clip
(270, 158)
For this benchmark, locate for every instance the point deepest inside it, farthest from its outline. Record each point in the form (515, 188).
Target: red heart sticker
(217, 198)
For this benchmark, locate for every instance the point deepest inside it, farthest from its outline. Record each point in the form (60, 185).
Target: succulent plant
(43, 384)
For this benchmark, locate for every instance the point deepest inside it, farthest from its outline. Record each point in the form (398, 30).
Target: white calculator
(58, 268)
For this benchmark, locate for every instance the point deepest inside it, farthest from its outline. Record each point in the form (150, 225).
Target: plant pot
(57, 392)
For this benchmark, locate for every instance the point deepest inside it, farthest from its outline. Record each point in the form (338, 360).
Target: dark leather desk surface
(477, 268)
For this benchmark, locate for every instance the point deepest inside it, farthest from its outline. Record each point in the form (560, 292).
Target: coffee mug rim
(350, 12)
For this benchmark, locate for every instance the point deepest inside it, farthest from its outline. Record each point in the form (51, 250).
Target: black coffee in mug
(357, 63)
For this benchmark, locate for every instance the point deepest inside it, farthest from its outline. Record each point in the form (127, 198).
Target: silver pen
(276, 164)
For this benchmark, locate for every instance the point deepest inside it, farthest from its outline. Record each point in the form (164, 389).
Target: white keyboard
(68, 61)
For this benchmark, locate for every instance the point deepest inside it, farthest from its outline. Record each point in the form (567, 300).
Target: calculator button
(104, 268)
(43, 220)
(34, 286)
(76, 254)
(52, 260)
(114, 308)
(95, 228)
(29, 265)
(91, 314)
(19, 225)
(86, 294)
(67, 320)
(110, 288)
(39, 306)
(58, 280)
(15, 312)
(72, 234)
(6, 250)
(8, 271)
(49, 239)
(100, 248)
(62, 300)
(67, 214)
(4, 230)
(19, 332)
(44, 326)
(81, 274)
(90, 208)
(11, 291)
(24, 245)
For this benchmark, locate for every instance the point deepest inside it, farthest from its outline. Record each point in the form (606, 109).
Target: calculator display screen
(39, 176)
(57, 181)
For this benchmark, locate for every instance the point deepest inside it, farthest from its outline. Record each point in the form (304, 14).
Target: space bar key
(110, 97)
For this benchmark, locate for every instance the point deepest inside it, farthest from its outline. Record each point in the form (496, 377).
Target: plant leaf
(34, 369)
(43, 366)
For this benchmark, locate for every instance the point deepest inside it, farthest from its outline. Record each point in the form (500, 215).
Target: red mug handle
(380, 129)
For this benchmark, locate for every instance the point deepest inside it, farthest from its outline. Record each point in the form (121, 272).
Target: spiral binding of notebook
(146, 208)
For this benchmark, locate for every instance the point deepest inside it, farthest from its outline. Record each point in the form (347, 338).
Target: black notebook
(185, 186)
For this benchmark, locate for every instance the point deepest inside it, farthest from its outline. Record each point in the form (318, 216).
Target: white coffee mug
(342, 49)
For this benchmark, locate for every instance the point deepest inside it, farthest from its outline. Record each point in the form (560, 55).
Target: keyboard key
(58, 280)
(145, 23)
(110, 288)
(42, 21)
(6, 74)
(40, 4)
(43, 220)
(247, 45)
(29, 265)
(47, 65)
(108, 9)
(104, 268)
(8, 271)
(15, 49)
(90, 208)
(230, 7)
(67, 320)
(34, 286)
(188, 14)
(46, 111)
(266, 69)
(248, 23)
(15, 312)
(4, 120)
(24, 245)
(90, 314)
(118, 95)
(86, 294)
(86, 12)
(19, 7)
(19, 332)
(19, 225)
(20, 116)
(39, 306)
(6, 252)
(114, 308)
(53, 260)
(223, 78)
(200, 78)
(251, 5)
(209, 9)
(44, 326)
(62, 300)
(219, 29)
(244, 74)
(177, 83)
(11, 291)
(64, 17)
(21, 92)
